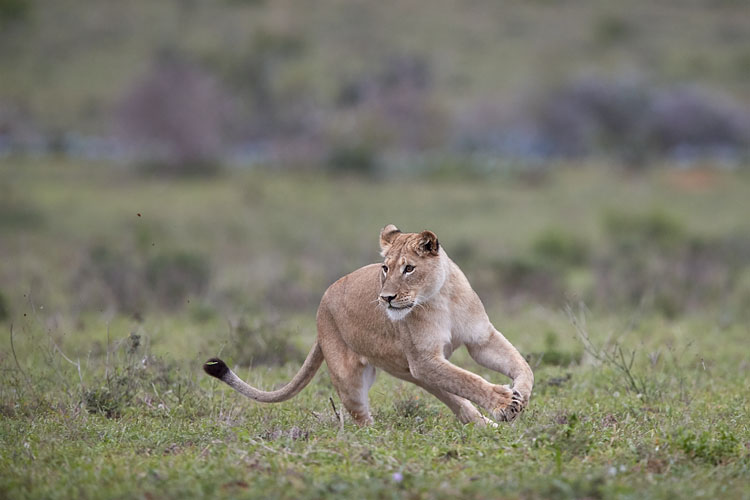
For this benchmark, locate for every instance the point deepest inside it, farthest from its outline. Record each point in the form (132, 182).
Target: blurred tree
(14, 10)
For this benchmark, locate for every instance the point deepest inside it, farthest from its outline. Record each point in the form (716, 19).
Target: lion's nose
(387, 298)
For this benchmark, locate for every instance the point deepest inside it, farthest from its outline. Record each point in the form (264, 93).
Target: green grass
(585, 433)
(96, 403)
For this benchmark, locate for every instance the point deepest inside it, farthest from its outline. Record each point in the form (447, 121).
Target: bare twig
(614, 357)
(106, 366)
(339, 415)
(77, 364)
(15, 358)
(333, 405)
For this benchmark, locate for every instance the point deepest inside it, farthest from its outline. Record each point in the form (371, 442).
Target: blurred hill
(353, 84)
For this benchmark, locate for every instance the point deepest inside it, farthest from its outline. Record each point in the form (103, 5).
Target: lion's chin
(397, 314)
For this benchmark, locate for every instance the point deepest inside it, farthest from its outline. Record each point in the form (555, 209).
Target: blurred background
(221, 162)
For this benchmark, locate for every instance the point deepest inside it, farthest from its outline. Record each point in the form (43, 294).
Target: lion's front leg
(496, 353)
(435, 371)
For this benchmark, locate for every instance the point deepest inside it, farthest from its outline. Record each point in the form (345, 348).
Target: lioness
(406, 316)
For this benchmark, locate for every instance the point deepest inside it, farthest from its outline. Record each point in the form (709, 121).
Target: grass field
(115, 288)
(71, 62)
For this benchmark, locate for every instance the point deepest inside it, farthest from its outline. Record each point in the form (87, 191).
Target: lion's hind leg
(351, 375)
(352, 383)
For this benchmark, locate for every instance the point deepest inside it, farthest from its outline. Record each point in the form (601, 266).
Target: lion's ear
(428, 243)
(387, 235)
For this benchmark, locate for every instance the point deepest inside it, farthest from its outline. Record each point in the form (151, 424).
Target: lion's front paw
(512, 405)
(501, 399)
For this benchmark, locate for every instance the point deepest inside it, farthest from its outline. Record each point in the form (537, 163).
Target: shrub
(356, 159)
(175, 118)
(655, 229)
(134, 377)
(650, 259)
(14, 10)
(610, 30)
(391, 110)
(175, 276)
(4, 310)
(264, 342)
(523, 276)
(553, 355)
(560, 249)
(107, 277)
(689, 121)
(16, 213)
(628, 119)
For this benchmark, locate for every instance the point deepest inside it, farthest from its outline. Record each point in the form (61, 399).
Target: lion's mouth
(399, 308)
(398, 312)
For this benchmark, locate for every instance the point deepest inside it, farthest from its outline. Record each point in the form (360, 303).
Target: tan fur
(407, 321)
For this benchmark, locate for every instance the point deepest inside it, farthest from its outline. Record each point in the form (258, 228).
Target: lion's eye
(408, 269)
(385, 269)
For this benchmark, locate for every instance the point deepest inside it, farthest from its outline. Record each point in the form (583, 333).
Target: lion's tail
(217, 368)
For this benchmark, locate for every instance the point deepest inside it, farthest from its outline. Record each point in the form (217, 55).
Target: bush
(563, 250)
(108, 277)
(14, 10)
(650, 259)
(553, 355)
(655, 229)
(134, 377)
(686, 122)
(389, 110)
(627, 119)
(610, 30)
(175, 118)
(16, 213)
(173, 277)
(264, 343)
(355, 159)
(4, 310)
(519, 276)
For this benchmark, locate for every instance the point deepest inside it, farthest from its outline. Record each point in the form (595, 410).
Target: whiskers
(419, 304)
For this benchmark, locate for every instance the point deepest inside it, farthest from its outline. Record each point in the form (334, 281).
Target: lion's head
(413, 270)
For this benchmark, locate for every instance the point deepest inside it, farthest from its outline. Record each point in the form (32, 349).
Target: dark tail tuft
(216, 368)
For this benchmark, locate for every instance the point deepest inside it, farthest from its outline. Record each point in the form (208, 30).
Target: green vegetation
(274, 50)
(186, 87)
(118, 288)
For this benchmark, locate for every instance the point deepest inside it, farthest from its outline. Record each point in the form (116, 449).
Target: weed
(614, 356)
(713, 447)
(409, 407)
